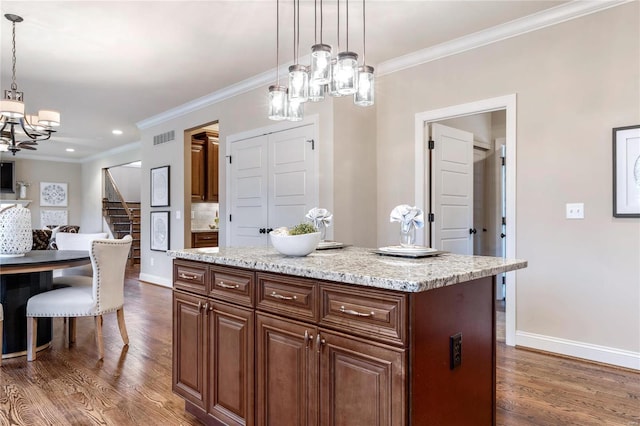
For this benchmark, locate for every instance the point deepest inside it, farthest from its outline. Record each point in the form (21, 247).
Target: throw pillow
(41, 239)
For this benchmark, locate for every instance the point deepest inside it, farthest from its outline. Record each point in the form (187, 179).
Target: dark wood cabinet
(204, 239)
(204, 167)
(189, 349)
(262, 348)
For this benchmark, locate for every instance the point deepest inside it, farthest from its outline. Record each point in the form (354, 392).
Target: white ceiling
(110, 64)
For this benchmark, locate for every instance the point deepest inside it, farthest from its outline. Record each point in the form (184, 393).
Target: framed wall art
(160, 231)
(626, 171)
(160, 187)
(53, 194)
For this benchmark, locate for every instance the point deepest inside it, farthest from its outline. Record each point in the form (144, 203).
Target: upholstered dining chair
(104, 295)
(75, 241)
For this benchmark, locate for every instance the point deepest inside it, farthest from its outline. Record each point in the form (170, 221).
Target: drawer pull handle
(320, 342)
(233, 287)
(355, 313)
(281, 297)
(187, 277)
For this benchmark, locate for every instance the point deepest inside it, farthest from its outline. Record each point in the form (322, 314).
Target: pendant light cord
(347, 26)
(364, 35)
(321, 23)
(278, 42)
(338, 26)
(14, 85)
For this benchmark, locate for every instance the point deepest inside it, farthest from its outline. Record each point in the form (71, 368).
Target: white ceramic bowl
(295, 245)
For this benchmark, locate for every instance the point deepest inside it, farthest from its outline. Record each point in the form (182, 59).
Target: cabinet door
(286, 372)
(230, 363)
(361, 383)
(212, 170)
(188, 347)
(198, 164)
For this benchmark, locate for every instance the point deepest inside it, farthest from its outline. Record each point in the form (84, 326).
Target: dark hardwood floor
(132, 386)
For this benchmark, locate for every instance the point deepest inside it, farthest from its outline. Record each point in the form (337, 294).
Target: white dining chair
(104, 295)
(75, 241)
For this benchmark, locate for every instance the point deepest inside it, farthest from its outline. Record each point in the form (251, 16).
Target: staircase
(121, 224)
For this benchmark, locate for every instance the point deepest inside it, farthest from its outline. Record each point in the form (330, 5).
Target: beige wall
(574, 83)
(36, 171)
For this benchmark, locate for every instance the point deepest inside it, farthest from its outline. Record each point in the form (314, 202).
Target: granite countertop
(359, 266)
(195, 231)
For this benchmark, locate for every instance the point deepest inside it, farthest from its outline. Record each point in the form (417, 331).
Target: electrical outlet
(455, 350)
(575, 210)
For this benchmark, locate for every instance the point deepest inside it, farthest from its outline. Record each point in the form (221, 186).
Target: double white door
(274, 182)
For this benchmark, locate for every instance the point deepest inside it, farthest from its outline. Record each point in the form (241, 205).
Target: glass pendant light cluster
(326, 75)
(13, 121)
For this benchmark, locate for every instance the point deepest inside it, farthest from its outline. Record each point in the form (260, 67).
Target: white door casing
(273, 182)
(452, 196)
(507, 103)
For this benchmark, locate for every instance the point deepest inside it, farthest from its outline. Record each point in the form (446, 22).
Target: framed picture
(160, 231)
(626, 171)
(160, 187)
(53, 194)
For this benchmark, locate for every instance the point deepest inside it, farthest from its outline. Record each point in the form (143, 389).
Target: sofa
(45, 239)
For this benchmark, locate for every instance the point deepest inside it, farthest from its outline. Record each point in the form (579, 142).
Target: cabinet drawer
(369, 313)
(232, 285)
(292, 297)
(190, 276)
(205, 239)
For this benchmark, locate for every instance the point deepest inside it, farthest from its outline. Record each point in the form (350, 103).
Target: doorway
(423, 196)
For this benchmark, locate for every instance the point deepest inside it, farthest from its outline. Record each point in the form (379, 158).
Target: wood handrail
(118, 194)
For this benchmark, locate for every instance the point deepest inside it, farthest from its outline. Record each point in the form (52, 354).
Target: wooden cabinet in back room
(204, 167)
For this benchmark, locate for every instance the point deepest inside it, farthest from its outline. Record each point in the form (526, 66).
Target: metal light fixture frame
(37, 128)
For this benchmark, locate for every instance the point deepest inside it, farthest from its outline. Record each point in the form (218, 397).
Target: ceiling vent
(164, 137)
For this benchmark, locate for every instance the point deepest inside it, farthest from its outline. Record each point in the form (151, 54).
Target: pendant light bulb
(365, 94)
(320, 63)
(346, 73)
(298, 83)
(278, 103)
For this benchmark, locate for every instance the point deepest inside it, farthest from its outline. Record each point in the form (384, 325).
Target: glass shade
(31, 123)
(332, 87)
(316, 92)
(11, 108)
(278, 103)
(295, 111)
(346, 75)
(298, 83)
(48, 118)
(320, 64)
(365, 94)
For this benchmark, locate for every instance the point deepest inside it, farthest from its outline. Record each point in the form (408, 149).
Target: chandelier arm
(26, 132)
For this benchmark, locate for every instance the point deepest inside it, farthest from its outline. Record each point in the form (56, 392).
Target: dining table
(22, 277)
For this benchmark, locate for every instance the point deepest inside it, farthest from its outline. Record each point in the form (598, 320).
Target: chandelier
(335, 76)
(15, 124)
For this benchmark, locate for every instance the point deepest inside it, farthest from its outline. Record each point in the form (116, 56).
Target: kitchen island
(339, 337)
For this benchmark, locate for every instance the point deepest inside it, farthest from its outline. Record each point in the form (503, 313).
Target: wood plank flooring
(132, 386)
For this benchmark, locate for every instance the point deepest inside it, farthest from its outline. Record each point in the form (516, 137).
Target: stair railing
(113, 194)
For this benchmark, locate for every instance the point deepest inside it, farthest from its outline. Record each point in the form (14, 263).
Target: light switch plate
(178, 215)
(575, 210)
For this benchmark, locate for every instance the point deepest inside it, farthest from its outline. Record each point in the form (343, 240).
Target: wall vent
(164, 137)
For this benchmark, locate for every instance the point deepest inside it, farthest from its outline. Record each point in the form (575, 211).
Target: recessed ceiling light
(116, 132)
(70, 150)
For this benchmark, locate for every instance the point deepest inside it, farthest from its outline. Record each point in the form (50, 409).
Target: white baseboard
(155, 279)
(604, 354)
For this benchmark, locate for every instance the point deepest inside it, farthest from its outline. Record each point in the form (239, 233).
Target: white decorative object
(321, 219)
(53, 218)
(16, 237)
(22, 189)
(410, 218)
(294, 245)
(53, 194)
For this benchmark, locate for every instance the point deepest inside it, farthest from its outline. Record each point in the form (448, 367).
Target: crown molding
(546, 18)
(556, 15)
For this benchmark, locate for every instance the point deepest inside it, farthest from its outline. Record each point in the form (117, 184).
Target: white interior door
(249, 189)
(292, 176)
(452, 177)
(273, 182)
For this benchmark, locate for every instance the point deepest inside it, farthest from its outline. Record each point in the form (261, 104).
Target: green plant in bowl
(303, 228)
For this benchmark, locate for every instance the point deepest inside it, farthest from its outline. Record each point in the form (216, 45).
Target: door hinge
(431, 217)
(432, 143)
(313, 144)
(504, 279)
(504, 220)
(229, 157)
(229, 218)
(504, 160)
